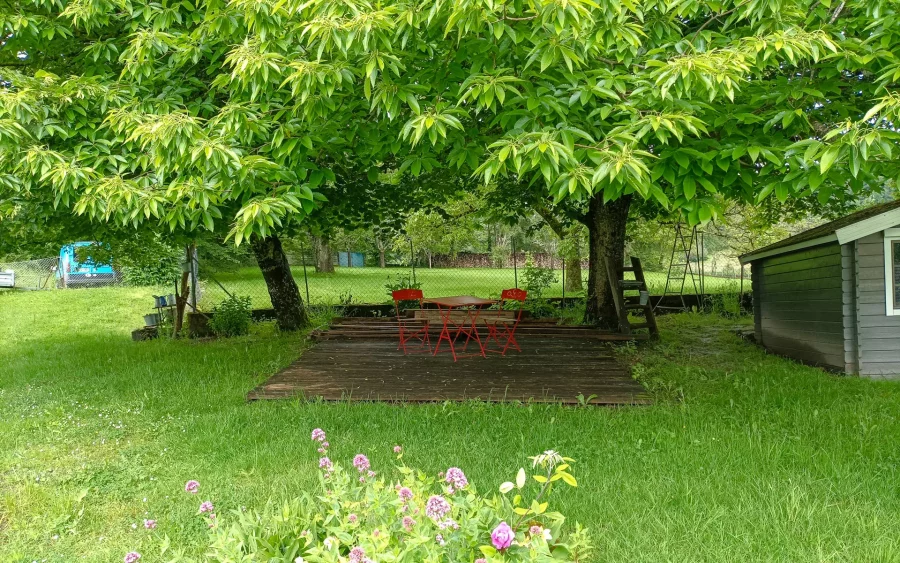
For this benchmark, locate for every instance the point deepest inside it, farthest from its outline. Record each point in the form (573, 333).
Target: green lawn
(762, 459)
(366, 285)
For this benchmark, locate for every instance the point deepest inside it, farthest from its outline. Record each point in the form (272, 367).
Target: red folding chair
(502, 329)
(408, 327)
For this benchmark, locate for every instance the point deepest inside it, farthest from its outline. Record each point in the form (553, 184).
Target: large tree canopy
(192, 114)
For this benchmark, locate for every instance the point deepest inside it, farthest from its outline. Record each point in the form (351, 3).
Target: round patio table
(472, 306)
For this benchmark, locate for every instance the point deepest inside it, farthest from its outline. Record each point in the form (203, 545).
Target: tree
(242, 112)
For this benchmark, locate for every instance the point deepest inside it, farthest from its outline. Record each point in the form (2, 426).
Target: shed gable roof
(843, 230)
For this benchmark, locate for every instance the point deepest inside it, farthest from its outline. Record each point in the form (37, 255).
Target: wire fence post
(563, 260)
(195, 265)
(305, 279)
(412, 260)
(515, 268)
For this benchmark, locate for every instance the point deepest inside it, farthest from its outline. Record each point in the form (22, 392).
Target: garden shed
(830, 296)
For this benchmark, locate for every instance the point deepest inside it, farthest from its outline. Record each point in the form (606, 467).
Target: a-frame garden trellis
(685, 247)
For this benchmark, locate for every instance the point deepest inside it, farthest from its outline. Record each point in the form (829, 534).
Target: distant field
(367, 285)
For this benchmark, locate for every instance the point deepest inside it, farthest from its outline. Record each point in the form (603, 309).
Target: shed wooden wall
(878, 334)
(799, 305)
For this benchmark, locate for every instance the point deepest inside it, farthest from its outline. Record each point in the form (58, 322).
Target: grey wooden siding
(799, 305)
(848, 288)
(878, 334)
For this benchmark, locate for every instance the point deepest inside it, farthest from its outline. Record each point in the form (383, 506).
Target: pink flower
(481, 560)
(535, 531)
(437, 507)
(191, 487)
(408, 523)
(448, 523)
(361, 463)
(502, 536)
(376, 532)
(318, 435)
(351, 518)
(456, 478)
(150, 524)
(440, 539)
(405, 494)
(132, 556)
(357, 554)
(370, 473)
(206, 506)
(397, 449)
(325, 463)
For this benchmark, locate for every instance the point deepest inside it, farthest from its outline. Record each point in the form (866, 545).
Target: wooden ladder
(619, 285)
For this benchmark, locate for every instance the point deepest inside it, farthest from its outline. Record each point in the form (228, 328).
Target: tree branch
(714, 18)
(837, 13)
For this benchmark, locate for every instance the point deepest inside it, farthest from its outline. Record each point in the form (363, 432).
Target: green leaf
(689, 187)
(828, 158)
(488, 550)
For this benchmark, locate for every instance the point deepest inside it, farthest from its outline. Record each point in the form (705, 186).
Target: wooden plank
(800, 285)
(808, 296)
(546, 371)
(828, 249)
(834, 259)
(872, 260)
(879, 369)
(833, 271)
(807, 355)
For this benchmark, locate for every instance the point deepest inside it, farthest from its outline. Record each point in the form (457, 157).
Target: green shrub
(232, 317)
(537, 281)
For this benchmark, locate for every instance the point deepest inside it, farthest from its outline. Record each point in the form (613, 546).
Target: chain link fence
(351, 277)
(52, 273)
(29, 274)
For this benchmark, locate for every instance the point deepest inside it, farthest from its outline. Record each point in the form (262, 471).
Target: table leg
(472, 323)
(445, 331)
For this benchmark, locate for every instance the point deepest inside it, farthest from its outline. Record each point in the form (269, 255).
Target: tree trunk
(565, 233)
(180, 303)
(324, 259)
(573, 274)
(606, 223)
(283, 290)
(181, 300)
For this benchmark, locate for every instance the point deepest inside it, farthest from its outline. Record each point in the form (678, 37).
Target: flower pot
(645, 297)
(170, 300)
(159, 300)
(151, 320)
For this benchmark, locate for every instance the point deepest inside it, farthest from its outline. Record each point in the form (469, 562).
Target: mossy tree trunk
(283, 291)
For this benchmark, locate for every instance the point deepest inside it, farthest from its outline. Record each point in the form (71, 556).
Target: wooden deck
(359, 360)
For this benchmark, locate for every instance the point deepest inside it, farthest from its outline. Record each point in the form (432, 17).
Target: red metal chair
(502, 329)
(408, 330)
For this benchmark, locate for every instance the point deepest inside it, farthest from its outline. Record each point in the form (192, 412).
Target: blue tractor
(72, 273)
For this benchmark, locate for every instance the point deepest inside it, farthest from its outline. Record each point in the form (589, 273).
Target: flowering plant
(360, 516)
